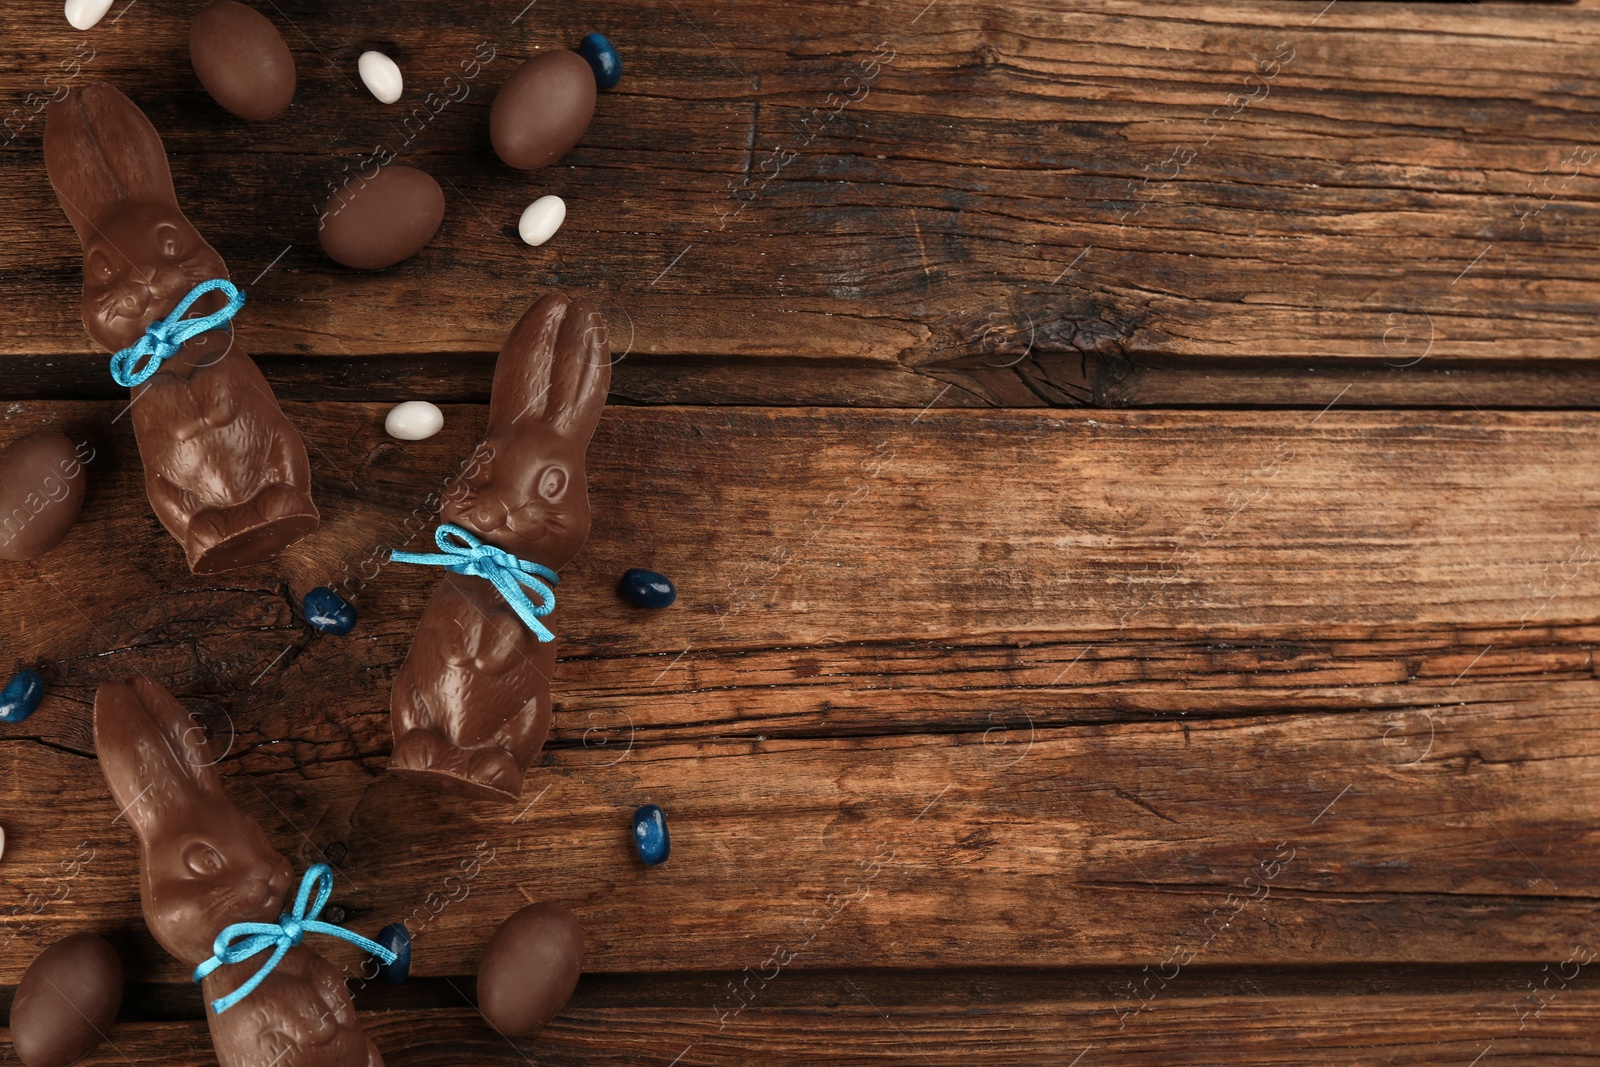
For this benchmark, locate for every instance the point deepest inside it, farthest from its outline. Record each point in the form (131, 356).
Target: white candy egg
(85, 13)
(415, 420)
(381, 76)
(541, 219)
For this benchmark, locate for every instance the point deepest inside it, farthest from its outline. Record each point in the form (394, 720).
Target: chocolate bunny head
(529, 494)
(140, 255)
(205, 864)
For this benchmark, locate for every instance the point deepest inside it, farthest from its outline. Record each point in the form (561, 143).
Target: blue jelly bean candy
(650, 835)
(647, 589)
(20, 698)
(329, 612)
(602, 59)
(397, 939)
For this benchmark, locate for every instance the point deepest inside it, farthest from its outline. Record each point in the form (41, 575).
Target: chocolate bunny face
(145, 258)
(140, 255)
(530, 496)
(226, 473)
(471, 703)
(204, 863)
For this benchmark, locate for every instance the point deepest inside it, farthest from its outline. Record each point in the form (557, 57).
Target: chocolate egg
(241, 59)
(66, 1002)
(41, 493)
(530, 967)
(372, 223)
(542, 109)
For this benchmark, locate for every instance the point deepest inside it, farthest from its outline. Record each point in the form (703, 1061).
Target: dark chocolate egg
(41, 493)
(66, 1002)
(531, 965)
(241, 59)
(542, 109)
(374, 223)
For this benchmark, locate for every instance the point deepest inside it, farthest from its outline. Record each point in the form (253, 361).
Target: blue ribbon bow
(465, 554)
(163, 337)
(281, 936)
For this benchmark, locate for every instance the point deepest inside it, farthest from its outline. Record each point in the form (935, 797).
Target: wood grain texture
(1402, 182)
(1166, 736)
(855, 1027)
(964, 524)
(1085, 710)
(1169, 522)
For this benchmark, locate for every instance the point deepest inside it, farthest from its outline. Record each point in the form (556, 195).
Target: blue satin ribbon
(465, 554)
(242, 940)
(163, 337)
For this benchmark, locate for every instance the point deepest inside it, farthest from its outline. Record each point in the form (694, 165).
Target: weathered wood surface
(857, 1024)
(960, 524)
(1082, 713)
(1456, 835)
(1400, 182)
(992, 726)
(773, 382)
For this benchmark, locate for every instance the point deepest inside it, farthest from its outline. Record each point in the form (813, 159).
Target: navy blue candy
(329, 612)
(650, 835)
(603, 60)
(20, 698)
(397, 939)
(647, 589)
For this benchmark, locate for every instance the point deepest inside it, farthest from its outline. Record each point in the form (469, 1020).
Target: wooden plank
(1304, 839)
(1192, 523)
(1129, 528)
(1409, 171)
(464, 378)
(1398, 383)
(1268, 658)
(1154, 536)
(1115, 381)
(856, 1027)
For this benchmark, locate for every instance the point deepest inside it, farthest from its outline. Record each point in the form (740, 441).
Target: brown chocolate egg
(66, 1002)
(41, 493)
(542, 109)
(530, 968)
(241, 59)
(374, 223)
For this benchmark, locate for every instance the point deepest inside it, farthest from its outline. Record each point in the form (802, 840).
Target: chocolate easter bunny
(471, 703)
(226, 473)
(205, 865)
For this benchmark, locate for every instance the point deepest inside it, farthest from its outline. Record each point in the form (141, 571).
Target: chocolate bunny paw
(486, 773)
(301, 1016)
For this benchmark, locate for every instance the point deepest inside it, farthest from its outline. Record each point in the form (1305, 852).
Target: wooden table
(1130, 470)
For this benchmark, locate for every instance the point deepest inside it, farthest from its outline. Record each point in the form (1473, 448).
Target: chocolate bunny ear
(100, 150)
(153, 754)
(555, 368)
(580, 377)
